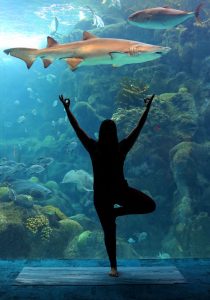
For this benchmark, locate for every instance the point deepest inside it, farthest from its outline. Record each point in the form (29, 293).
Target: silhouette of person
(110, 187)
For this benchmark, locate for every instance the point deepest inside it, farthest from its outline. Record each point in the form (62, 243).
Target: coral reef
(169, 161)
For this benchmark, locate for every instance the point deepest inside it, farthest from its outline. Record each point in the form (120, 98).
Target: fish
(141, 236)
(162, 17)
(115, 3)
(71, 146)
(35, 169)
(5, 170)
(54, 25)
(21, 119)
(91, 51)
(34, 112)
(36, 190)
(131, 241)
(55, 103)
(45, 161)
(82, 179)
(97, 20)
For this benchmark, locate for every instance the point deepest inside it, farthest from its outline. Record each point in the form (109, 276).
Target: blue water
(169, 161)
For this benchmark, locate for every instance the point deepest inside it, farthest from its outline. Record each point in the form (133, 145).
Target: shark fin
(22, 53)
(46, 62)
(117, 55)
(51, 42)
(74, 62)
(87, 36)
(118, 58)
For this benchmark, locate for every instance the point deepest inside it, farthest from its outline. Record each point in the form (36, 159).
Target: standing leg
(134, 201)
(107, 219)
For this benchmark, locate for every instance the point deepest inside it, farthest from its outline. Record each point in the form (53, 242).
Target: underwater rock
(69, 229)
(190, 171)
(60, 200)
(52, 185)
(14, 239)
(199, 235)
(59, 239)
(6, 194)
(85, 222)
(154, 76)
(37, 223)
(82, 246)
(126, 250)
(84, 240)
(48, 141)
(189, 239)
(172, 246)
(52, 210)
(175, 82)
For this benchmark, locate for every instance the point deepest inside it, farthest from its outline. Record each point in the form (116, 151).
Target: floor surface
(196, 273)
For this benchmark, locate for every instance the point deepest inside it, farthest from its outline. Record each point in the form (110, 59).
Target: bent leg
(134, 202)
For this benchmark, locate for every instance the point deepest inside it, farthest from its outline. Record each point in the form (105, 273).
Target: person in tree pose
(110, 187)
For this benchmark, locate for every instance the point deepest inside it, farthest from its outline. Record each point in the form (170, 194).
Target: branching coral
(39, 225)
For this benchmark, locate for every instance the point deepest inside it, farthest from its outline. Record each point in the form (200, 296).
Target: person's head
(108, 133)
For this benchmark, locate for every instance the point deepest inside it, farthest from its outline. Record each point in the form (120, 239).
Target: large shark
(91, 51)
(162, 17)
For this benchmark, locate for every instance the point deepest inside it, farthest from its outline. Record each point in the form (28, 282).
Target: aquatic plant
(131, 93)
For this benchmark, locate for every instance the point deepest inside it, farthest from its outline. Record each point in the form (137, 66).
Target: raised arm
(83, 137)
(128, 142)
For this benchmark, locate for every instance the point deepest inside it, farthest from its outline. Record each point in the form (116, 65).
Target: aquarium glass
(46, 178)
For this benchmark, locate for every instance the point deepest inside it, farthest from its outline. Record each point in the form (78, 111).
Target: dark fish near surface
(36, 190)
(162, 17)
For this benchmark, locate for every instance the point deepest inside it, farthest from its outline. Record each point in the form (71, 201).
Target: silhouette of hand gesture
(148, 101)
(65, 101)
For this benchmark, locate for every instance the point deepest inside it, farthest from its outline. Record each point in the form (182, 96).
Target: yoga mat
(98, 276)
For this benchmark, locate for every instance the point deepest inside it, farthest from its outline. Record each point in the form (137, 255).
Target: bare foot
(113, 272)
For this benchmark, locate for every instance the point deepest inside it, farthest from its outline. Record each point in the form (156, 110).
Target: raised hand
(148, 101)
(66, 101)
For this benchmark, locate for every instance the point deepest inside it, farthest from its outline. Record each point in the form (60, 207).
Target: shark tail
(197, 13)
(28, 55)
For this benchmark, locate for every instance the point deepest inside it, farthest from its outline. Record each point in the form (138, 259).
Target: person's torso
(108, 170)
